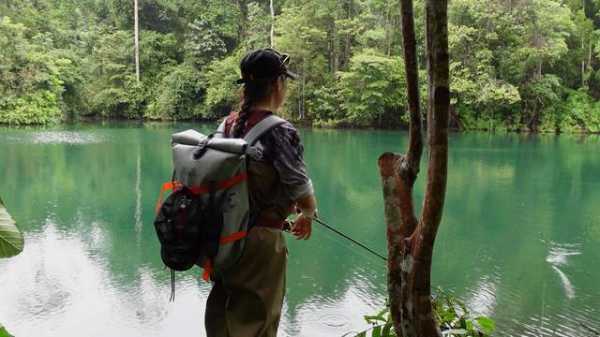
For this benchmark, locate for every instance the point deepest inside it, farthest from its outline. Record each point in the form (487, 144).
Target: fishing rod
(315, 218)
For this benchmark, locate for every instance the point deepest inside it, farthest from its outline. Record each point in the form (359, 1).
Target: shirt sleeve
(287, 154)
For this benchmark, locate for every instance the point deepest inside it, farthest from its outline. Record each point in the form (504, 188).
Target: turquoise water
(520, 238)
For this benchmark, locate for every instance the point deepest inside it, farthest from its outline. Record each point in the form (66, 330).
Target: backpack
(204, 221)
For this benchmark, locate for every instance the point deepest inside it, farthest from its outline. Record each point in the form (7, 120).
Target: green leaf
(380, 317)
(376, 331)
(11, 240)
(3, 332)
(486, 324)
(387, 330)
(469, 326)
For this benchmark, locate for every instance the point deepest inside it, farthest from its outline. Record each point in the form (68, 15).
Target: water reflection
(62, 286)
(64, 137)
(59, 287)
(519, 240)
(557, 257)
(482, 299)
(138, 194)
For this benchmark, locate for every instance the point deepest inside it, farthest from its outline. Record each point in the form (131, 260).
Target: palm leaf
(11, 240)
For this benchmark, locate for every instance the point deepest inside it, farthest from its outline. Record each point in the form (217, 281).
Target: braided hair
(253, 92)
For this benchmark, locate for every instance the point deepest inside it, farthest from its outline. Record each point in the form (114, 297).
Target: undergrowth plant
(11, 243)
(452, 314)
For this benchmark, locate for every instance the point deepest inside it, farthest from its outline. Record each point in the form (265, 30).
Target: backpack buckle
(201, 150)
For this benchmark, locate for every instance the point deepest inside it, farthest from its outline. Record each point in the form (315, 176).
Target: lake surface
(520, 238)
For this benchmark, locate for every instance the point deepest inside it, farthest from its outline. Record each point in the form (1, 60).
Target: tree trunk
(137, 40)
(583, 48)
(345, 59)
(582, 64)
(243, 23)
(302, 89)
(272, 35)
(388, 28)
(455, 120)
(538, 46)
(410, 241)
(334, 47)
(589, 62)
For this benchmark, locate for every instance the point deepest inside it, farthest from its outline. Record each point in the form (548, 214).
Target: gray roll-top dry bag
(205, 220)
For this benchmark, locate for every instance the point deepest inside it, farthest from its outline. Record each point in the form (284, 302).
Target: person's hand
(302, 227)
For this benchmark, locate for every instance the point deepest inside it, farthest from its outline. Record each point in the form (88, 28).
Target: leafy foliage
(373, 86)
(177, 94)
(31, 85)
(203, 43)
(456, 320)
(516, 65)
(11, 240)
(452, 315)
(222, 90)
(3, 332)
(11, 243)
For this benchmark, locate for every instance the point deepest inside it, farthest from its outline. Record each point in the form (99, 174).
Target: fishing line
(348, 238)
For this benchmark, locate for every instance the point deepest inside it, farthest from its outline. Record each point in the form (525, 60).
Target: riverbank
(306, 123)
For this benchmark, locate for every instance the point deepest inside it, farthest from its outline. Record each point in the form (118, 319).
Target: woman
(247, 301)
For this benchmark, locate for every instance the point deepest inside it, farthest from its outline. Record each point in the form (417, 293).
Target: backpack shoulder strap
(263, 126)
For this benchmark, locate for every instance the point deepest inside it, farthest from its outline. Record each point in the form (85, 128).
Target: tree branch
(437, 27)
(410, 169)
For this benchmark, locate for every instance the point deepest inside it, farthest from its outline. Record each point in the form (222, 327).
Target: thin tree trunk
(388, 28)
(410, 241)
(243, 23)
(137, 40)
(272, 35)
(334, 47)
(582, 63)
(538, 45)
(583, 48)
(589, 62)
(303, 87)
(347, 41)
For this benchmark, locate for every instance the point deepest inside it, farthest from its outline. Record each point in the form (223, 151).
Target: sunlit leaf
(486, 325)
(387, 330)
(376, 331)
(470, 325)
(374, 319)
(3, 332)
(11, 240)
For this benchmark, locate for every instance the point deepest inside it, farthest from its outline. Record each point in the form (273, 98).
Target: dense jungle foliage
(515, 64)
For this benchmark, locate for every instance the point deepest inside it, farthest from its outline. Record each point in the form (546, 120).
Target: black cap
(264, 64)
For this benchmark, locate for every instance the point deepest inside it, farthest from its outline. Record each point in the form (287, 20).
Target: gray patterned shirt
(283, 148)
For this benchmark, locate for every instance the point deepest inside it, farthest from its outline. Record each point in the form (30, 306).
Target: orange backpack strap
(170, 185)
(208, 265)
(208, 269)
(233, 237)
(222, 185)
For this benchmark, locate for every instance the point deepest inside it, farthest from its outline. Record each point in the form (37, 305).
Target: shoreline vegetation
(525, 66)
(96, 120)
